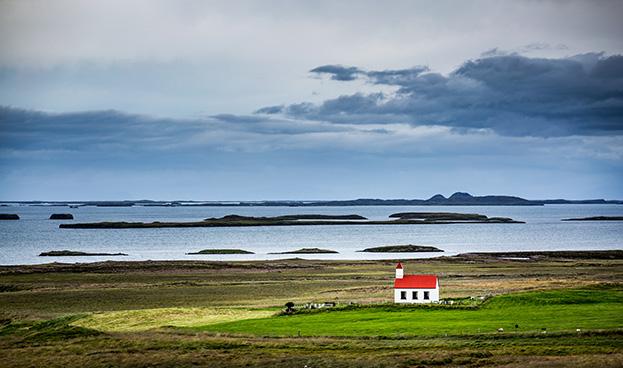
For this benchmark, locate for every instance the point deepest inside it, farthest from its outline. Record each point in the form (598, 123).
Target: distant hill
(456, 199)
(460, 199)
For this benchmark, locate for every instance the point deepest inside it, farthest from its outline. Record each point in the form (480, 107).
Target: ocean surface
(21, 241)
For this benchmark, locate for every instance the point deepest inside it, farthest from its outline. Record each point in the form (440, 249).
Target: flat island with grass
(73, 253)
(222, 251)
(548, 309)
(61, 216)
(451, 217)
(407, 218)
(596, 218)
(408, 248)
(307, 251)
(9, 216)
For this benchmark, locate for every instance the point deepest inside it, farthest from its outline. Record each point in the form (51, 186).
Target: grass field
(556, 311)
(121, 313)
(146, 319)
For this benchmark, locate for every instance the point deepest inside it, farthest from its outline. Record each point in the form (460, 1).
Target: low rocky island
(61, 216)
(73, 253)
(308, 251)
(240, 219)
(221, 251)
(451, 217)
(9, 216)
(405, 218)
(408, 248)
(596, 218)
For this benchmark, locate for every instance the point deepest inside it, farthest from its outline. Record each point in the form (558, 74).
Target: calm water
(21, 241)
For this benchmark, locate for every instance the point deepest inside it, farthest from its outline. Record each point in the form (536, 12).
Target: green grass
(558, 310)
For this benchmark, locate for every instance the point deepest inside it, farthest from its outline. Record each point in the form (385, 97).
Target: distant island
(220, 251)
(596, 218)
(308, 251)
(456, 199)
(61, 216)
(409, 248)
(450, 217)
(9, 216)
(405, 218)
(287, 218)
(72, 253)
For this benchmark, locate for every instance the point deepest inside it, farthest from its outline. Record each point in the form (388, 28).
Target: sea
(23, 240)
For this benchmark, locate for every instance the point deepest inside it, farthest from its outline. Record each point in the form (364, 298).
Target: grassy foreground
(147, 319)
(121, 313)
(557, 311)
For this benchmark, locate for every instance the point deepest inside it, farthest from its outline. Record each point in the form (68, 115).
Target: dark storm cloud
(90, 130)
(111, 132)
(338, 72)
(509, 94)
(270, 110)
(349, 73)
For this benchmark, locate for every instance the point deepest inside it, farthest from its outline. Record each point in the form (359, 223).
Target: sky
(270, 100)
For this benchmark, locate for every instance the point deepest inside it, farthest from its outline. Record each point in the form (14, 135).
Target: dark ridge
(322, 217)
(61, 216)
(436, 217)
(456, 199)
(409, 248)
(72, 253)
(113, 204)
(461, 196)
(437, 199)
(307, 251)
(596, 218)
(9, 216)
(287, 217)
(222, 251)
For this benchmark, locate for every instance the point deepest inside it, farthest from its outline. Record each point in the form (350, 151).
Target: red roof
(399, 265)
(416, 282)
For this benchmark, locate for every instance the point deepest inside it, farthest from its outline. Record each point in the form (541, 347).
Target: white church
(415, 288)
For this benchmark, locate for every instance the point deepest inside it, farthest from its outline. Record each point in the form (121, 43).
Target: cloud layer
(112, 155)
(526, 124)
(511, 94)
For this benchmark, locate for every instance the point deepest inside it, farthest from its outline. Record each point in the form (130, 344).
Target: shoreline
(352, 258)
(301, 263)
